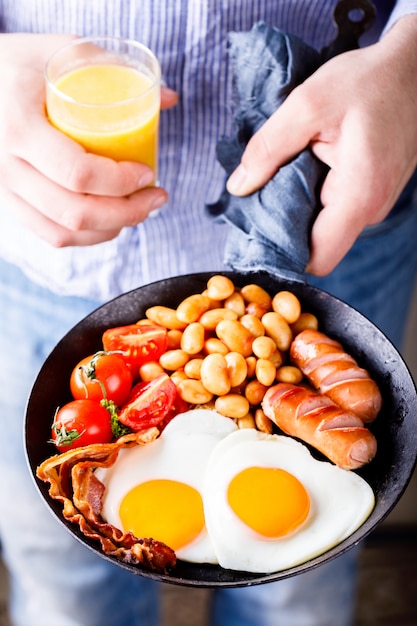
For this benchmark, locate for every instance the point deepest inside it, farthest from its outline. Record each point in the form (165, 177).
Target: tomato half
(103, 375)
(138, 343)
(80, 423)
(149, 403)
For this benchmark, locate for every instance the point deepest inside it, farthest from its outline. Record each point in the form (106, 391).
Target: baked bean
(174, 339)
(213, 344)
(247, 421)
(214, 304)
(287, 305)
(215, 375)
(193, 367)
(178, 376)
(236, 303)
(253, 324)
(212, 317)
(237, 368)
(253, 308)
(265, 372)
(142, 322)
(306, 321)
(227, 346)
(251, 365)
(254, 392)
(262, 422)
(255, 293)
(263, 347)
(219, 287)
(232, 405)
(194, 392)
(289, 374)
(236, 336)
(276, 358)
(165, 316)
(193, 337)
(277, 328)
(191, 309)
(149, 371)
(173, 359)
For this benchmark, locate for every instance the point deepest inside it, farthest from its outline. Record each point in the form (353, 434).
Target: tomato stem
(65, 437)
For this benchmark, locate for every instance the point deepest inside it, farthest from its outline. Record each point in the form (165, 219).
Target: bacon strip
(73, 482)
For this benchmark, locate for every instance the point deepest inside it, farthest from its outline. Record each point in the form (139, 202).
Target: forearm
(398, 64)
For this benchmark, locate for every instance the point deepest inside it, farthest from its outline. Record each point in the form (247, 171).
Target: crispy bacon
(73, 482)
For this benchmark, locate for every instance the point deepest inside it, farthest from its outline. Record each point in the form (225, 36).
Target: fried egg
(240, 498)
(269, 505)
(156, 490)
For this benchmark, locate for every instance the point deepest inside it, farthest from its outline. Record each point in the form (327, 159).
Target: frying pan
(395, 428)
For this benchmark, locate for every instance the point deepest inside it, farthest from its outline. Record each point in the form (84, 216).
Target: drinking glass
(104, 92)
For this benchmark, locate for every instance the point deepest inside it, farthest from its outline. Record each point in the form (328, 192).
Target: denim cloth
(269, 228)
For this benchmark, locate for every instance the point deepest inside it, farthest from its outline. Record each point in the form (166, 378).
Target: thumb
(284, 135)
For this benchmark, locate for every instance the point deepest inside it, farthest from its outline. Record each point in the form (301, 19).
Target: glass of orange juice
(104, 92)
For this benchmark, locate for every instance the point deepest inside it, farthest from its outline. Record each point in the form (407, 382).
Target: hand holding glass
(104, 93)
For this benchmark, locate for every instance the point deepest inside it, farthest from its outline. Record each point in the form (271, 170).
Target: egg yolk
(271, 501)
(164, 510)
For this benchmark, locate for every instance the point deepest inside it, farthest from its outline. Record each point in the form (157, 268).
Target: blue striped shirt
(189, 38)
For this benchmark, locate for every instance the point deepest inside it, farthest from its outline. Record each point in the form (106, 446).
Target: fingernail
(236, 181)
(146, 179)
(157, 203)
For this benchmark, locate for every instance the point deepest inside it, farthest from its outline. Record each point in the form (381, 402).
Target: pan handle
(352, 18)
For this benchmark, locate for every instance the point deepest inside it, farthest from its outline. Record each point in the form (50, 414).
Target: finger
(355, 194)
(169, 97)
(276, 142)
(51, 232)
(79, 212)
(332, 236)
(65, 162)
(347, 203)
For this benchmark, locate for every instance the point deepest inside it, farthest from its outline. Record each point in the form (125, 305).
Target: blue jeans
(55, 581)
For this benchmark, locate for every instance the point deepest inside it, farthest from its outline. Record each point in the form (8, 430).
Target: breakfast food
(270, 505)
(214, 494)
(157, 490)
(216, 373)
(72, 482)
(339, 434)
(336, 374)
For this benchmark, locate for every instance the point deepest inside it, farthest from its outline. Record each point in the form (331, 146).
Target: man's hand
(65, 195)
(358, 114)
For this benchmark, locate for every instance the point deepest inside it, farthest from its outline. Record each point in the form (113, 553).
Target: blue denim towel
(270, 228)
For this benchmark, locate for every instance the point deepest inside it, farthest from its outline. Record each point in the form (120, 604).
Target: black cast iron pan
(395, 428)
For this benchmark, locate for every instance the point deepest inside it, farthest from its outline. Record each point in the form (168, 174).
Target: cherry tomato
(103, 375)
(80, 423)
(149, 403)
(138, 344)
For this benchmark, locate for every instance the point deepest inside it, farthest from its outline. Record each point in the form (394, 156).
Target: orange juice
(112, 110)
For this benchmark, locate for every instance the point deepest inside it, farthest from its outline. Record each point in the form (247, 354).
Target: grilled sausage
(336, 374)
(315, 419)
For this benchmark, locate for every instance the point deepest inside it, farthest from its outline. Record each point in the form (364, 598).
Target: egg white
(340, 502)
(181, 453)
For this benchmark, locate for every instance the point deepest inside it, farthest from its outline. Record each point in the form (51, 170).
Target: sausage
(315, 419)
(336, 374)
